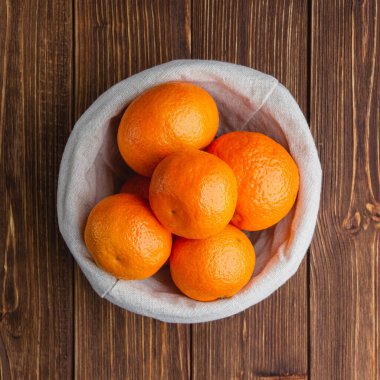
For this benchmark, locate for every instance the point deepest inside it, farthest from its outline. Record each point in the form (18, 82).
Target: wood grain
(285, 377)
(345, 120)
(57, 57)
(36, 319)
(270, 339)
(113, 40)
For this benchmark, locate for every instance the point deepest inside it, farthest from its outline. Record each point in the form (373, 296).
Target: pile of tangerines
(191, 195)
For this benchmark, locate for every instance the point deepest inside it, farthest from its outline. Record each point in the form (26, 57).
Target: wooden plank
(114, 39)
(285, 377)
(269, 339)
(36, 270)
(345, 119)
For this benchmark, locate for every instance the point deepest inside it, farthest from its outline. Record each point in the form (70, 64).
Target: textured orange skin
(267, 176)
(138, 185)
(212, 268)
(165, 119)
(193, 193)
(126, 239)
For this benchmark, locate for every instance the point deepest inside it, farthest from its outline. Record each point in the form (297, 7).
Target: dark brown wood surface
(345, 120)
(58, 56)
(36, 270)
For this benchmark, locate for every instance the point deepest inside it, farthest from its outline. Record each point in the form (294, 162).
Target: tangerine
(165, 119)
(212, 268)
(125, 238)
(267, 177)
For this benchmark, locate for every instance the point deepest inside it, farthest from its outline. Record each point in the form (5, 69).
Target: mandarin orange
(212, 268)
(138, 185)
(125, 238)
(165, 119)
(267, 177)
(193, 193)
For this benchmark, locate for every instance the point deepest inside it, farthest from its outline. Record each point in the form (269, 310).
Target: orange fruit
(165, 119)
(125, 238)
(267, 177)
(193, 193)
(138, 185)
(212, 268)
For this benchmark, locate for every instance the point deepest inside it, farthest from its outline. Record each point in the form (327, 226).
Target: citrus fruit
(212, 268)
(164, 119)
(193, 193)
(267, 177)
(138, 185)
(125, 238)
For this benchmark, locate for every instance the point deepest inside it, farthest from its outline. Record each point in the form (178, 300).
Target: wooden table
(57, 56)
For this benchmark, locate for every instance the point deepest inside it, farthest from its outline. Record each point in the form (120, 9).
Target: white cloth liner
(92, 169)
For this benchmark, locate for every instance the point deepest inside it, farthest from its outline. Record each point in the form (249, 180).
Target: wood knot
(352, 223)
(374, 212)
(101, 24)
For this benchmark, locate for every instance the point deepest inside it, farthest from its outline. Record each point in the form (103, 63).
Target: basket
(92, 169)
